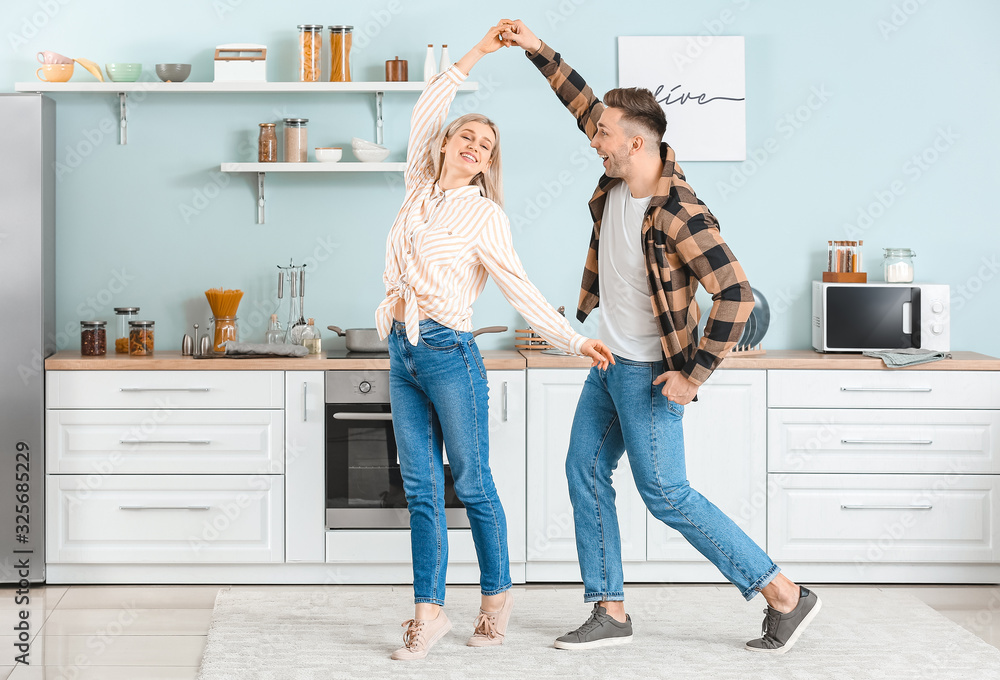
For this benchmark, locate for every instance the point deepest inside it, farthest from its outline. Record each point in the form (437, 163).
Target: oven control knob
(936, 328)
(365, 387)
(937, 307)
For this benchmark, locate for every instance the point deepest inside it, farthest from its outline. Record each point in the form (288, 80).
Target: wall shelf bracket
(260, 197)
(379, 120)
(123, 118)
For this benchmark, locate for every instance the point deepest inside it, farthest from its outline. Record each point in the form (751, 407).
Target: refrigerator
(27, 310)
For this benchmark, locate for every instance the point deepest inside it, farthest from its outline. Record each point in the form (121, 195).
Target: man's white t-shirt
(627, 324)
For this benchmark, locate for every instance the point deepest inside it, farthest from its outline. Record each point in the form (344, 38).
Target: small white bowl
(328, 154)
(371, 155)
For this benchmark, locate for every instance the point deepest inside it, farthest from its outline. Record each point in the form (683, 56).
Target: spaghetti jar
(310, 52)
(93, 338)
(140, 338)
(296, 144)
(267, 144)
(224, 329)
(340, 54)
(124, 315)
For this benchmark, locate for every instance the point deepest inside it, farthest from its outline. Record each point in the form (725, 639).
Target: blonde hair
(489, 182)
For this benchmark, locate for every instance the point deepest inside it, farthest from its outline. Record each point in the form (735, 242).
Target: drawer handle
(503, 410)
(200, 442)
(886, 507)
(886, 441)
(362, 416)
(885, 389)
(164, 507)
(165, 389)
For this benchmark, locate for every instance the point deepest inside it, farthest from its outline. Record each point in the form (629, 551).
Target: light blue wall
(898, 78)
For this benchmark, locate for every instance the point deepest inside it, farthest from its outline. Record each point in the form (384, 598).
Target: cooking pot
(367, 340)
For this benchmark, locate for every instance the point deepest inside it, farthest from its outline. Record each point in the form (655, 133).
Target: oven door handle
(346, 415)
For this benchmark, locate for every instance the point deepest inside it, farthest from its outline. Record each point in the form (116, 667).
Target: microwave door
(871, 317)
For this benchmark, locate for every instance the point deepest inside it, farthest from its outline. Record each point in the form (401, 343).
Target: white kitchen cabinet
(164, 441)
(884, 475)
(552, 395)
(164, 389)
(305, 466)
(507, 453)
(164, 518)
(725, 448)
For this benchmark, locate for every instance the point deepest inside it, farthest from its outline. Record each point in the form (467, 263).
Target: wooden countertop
(798, 359)
(72, 360)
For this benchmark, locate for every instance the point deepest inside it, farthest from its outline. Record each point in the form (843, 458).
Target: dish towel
(281, 349)
(900, 358)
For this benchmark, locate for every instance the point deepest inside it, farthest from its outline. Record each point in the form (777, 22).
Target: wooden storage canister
(310, 52)
(340, 54)
(396, 70)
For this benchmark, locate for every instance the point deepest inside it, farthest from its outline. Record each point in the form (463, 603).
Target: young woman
(449, 235)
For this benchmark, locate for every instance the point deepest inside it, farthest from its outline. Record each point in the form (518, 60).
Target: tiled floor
(159, 632)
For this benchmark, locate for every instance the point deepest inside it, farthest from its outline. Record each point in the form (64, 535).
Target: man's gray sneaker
(600, 630)
(781, 631)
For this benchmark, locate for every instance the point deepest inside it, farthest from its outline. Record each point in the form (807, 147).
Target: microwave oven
(856, 317)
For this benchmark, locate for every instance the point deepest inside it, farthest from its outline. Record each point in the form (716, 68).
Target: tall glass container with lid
(267, 144)
(296, 140)
(898, 265)
(123, 315)
(340, 53)
(140, 338)
(310, 52)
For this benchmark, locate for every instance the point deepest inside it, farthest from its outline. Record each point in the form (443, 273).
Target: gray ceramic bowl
(175, 73)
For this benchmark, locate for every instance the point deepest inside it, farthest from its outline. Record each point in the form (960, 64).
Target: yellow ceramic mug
(55, 73)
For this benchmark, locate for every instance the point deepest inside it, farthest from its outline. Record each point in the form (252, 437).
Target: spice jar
(93, 338)
(124, 315)
(340, 54)
(296, 144)
(225, 329)
(267, 144)
(310, 52)
(140, 338)
(898, 265)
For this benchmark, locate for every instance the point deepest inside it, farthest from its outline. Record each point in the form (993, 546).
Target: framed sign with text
(700, 82)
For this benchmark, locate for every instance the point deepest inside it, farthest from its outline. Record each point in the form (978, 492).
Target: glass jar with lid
(140, 338)
(267, 144)
(296, 144)
(124, 316)
(310, 52)
(340, 53)
(224, 329)
(897, 265)
(93, 338)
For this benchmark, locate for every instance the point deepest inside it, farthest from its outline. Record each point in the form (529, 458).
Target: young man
(655, 242)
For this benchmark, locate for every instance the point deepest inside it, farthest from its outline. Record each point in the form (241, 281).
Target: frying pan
(367, 340)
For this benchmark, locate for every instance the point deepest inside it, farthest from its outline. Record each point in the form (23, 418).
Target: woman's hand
(491, 42)
(516, 33)
(598, 353)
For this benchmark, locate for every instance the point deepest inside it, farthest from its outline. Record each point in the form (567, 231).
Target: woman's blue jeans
(621, 409)
(440, 396)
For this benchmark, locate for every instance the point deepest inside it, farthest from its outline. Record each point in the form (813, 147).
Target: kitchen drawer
(869, 519)
(389, 546)
(164, 441)
(164, 389)
(877, 440)
(164, 518)
(883, 389)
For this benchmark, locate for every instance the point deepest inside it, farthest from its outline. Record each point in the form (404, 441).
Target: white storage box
(241, 63)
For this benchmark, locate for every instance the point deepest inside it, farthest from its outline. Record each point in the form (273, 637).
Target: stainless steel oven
(364, 486)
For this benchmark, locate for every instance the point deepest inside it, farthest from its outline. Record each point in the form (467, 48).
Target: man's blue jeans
(621, 409)
(439, 394)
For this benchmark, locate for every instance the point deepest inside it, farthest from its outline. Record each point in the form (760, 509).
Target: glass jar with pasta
(340, 54)
(310, 52)
(140, 338)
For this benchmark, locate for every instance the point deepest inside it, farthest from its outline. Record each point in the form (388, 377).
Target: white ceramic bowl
(371, 155)
(358, 143)
(328, 154)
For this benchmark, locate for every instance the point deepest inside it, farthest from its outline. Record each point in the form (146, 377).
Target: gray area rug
(312, 633)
